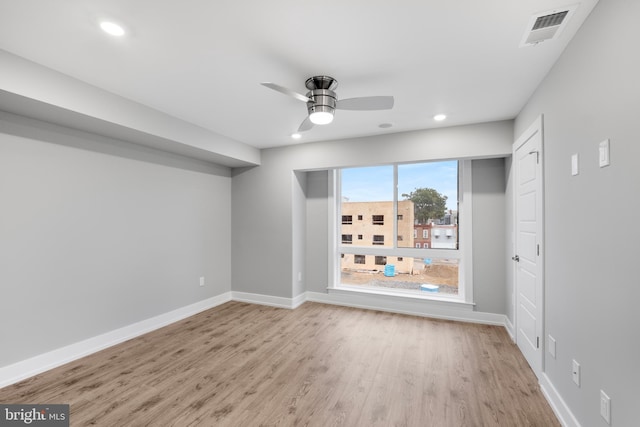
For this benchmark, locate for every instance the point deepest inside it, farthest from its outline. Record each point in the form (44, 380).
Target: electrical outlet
(552, 346)
(576, 373)
(605, 407)
(202, 281)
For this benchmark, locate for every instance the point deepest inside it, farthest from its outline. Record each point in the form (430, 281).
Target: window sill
(436, 300)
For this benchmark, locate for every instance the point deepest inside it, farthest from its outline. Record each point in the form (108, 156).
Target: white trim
(465, 199)
(272, 301)
(511, 330)
(437, 298)
(410, 306)
(299, 300)
(557, 403)
(43, 362)
(332, 232)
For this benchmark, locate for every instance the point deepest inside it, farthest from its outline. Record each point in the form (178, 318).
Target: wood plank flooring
(318, 365)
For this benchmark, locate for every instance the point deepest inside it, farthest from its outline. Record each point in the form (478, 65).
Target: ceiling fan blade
(286, 91)
(366, 103)
(305, 125)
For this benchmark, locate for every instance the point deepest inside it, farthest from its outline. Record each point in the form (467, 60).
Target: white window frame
(464, 252)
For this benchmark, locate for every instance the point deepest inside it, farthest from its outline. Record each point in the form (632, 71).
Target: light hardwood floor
(318, 365)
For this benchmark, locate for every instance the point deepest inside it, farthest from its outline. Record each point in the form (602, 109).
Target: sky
(373, 184)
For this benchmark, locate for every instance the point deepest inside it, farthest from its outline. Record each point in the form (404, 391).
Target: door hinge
(537, 342)
(538, 250)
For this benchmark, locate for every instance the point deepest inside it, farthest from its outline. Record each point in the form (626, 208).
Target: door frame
(536, 127)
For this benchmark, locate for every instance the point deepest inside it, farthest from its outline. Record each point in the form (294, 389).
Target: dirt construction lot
(443, 274)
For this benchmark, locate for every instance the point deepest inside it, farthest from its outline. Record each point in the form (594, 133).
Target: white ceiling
(202, 61)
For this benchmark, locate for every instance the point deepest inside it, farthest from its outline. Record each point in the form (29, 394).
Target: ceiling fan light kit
(320, 117)
(322, 101)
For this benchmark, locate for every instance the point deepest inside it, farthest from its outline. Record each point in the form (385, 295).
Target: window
(347, 219)
(381, 260)
(347, 239)
(411, 197)
(378, 239)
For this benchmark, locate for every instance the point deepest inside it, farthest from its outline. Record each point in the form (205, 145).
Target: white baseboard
(424, 308)
(35, 365)
(511, 330)
(272, 301)
(299, 300)
(560, 408)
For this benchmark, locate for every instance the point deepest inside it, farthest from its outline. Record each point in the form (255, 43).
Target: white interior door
(528, 245)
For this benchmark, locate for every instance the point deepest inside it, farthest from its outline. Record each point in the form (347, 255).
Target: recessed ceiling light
(112, 28)
(296, 136)
(439, 117)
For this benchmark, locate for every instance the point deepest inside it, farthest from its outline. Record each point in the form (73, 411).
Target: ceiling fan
(322, 101)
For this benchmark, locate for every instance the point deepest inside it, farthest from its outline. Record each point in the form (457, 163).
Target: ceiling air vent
(546, 26)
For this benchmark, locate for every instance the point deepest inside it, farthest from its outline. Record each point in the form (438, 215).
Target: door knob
(516, 258)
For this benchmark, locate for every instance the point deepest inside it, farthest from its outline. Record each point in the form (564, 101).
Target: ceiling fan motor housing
(322, 100)
(322, 95)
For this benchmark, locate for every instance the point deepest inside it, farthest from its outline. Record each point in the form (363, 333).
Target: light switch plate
(552, 346)
(574, 164)
(603, 149)
(605, 406)
(576, 372)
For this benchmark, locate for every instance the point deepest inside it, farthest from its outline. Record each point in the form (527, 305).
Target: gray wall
(299, 232)
(592, 229)
(261, 226)
(489, 253)
(100, 237)
(317, 244)
(264, 226)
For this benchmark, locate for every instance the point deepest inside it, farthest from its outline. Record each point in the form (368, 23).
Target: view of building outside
(424, 220)
(371, 224)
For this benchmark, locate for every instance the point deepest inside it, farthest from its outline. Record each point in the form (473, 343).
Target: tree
(428, 204)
